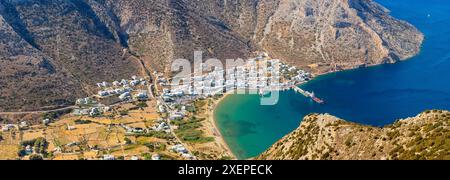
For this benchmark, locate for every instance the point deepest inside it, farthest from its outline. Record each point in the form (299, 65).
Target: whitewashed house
(116, 84)
(103, 93)
(125, 96)
(46, 121)
(94, 112)
(109, 157)
(156, 157)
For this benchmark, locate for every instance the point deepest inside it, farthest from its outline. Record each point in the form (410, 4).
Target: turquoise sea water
(374, 96)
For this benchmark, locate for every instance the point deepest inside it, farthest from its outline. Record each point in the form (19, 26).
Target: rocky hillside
(324, 137)
(52, 51)
(325, 34)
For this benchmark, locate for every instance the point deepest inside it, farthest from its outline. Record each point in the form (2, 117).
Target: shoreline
(217, 133)
(213, 121)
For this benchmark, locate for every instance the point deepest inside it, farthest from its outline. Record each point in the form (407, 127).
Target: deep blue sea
(374, 96)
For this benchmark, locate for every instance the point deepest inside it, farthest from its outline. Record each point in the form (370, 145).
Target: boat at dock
(308, 94)
(318, 100)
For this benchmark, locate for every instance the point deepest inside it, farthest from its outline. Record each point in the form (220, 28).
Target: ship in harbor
(316, 99)
(308, 94)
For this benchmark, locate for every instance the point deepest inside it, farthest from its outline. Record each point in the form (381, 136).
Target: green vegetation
(39, 146)
(80, 121)
(36, 157)
(393, 134)
(155, 134)
(124, 113)
(326, 156)
(435, 146)
(191, 109)
(50, 115)
(218, 96)
(127, 140)
(425, 137)
(199, 104)
(155, 146)
(146, 156)
(428, 141)
(349, 142)
(226, 158)
(188, 131)
(142, 105)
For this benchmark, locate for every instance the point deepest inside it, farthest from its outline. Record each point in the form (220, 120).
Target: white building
(94, 112)
(116, 83)
(7, 127)
(187, 156)
(109, 157)
(46, 121)
(179, 148)
(124, 82)
(161, 109)
(103, 93)
(156, 157)
(23, 124)
(134, 83)
(176, 116)
(141, 96)
(80, 112)
(125, 96)
(85, 101)
(71, 128)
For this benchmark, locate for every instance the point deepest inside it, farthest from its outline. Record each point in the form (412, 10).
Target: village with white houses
(147, 118)
(272, 76)
(125, 90)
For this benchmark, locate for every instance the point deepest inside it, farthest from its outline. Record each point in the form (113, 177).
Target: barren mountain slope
(70, 47)
(88, 41)
(27, 75)
(334, 34)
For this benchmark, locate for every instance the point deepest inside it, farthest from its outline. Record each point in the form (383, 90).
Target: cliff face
(52, 51)
(333, 34)
(324, 137)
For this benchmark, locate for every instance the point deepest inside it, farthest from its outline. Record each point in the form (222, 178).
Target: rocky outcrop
(324, 137)
(82, 42)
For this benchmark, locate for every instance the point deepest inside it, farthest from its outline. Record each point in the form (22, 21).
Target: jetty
(308, 94)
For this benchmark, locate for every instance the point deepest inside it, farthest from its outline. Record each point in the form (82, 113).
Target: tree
(40, 145)
(123, 113)
(36, 157)
(142, 105)
(127, 140)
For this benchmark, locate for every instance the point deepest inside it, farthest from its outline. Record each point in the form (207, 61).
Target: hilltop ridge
(325, 137)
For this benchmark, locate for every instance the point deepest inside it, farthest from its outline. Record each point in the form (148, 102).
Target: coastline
(214, 127)
(213, 121)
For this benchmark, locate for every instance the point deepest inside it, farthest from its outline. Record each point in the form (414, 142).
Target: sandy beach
(211, 124)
